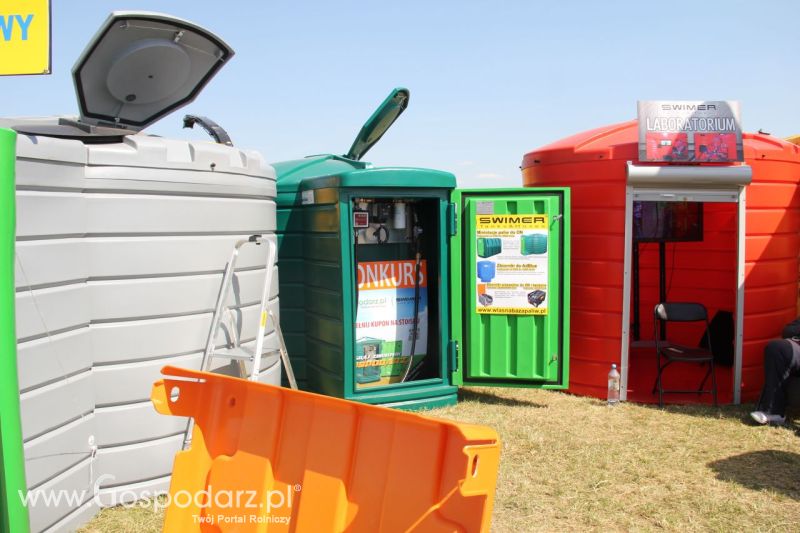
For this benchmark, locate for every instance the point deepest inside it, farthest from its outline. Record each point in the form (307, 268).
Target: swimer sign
(24, 37)
(690, 131)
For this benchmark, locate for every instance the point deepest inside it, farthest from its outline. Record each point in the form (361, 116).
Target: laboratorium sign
(681, 131)
(24, 37)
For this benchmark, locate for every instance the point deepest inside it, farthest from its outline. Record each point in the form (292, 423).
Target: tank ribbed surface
(121, 249)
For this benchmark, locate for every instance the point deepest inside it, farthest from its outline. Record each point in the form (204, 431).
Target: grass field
(574, 464)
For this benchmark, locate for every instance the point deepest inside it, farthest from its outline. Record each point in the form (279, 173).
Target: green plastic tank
(489, 246)
(535, 243)
(380, 301)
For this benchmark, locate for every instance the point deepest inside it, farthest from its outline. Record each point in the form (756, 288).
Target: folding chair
(669, 352)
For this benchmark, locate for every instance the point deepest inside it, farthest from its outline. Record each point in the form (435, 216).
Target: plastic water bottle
(613, 386)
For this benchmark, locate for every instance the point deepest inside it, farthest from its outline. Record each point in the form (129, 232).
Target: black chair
(669, 352)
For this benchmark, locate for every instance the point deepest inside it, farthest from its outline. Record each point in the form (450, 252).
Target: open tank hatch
(139, 67)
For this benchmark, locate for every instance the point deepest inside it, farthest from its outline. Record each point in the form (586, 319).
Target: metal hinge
(452, 219)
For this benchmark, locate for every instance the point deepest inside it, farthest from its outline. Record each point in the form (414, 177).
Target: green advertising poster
(511, 264)
(14, 516)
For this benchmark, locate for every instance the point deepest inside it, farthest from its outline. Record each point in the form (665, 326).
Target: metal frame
(739, 340)
(626, 294)
(711, 184)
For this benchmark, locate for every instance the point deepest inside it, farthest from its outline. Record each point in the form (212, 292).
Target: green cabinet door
(511, 307)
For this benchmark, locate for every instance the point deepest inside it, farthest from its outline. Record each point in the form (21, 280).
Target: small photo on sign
(667, 146)
(715, 146)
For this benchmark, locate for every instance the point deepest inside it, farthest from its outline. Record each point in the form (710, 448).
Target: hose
(355, 263)
(416, 301)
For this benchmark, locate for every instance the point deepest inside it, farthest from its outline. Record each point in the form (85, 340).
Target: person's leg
(778, 366)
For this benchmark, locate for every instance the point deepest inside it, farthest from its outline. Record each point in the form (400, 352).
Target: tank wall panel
(58, 451)
(140, 213)
(51, 262)
(292, 266)
(51, 310)
(121, 252)
(75, 481)
(137, 462)
(114, 425)
(47, 359)
(51, 406)
(122, 342)
(323, 276)
(48, 213)
(153, 297)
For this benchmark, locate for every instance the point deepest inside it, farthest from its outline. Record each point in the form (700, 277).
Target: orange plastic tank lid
(266, 458)
(620, 142)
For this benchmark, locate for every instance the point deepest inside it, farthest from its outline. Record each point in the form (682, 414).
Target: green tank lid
(290, 174)
(325, 171)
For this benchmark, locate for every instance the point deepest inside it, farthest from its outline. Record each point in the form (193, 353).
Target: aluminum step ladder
(237, 353)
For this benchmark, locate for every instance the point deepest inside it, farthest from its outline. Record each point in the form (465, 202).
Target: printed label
(385, 321)
(511, 261)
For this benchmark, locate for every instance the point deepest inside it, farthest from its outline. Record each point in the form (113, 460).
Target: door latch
(453, 349)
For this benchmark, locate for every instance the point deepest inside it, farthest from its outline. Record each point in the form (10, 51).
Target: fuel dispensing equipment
(396, 287)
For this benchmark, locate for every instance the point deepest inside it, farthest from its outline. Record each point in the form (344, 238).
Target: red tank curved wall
(771, 250)
(593, 165)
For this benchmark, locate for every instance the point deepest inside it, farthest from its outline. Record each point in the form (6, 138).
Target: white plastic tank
(122, 239)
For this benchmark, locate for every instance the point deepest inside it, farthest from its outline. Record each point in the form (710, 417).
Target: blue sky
(489, 80)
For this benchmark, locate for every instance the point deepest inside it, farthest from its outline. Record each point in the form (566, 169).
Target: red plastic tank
(593, 164)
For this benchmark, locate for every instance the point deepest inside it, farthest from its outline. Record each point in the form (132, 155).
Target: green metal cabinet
(318, 275)
(317, 284)
(496, 296)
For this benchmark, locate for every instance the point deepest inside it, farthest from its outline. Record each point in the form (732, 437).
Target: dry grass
(574, 464)
(135, 519)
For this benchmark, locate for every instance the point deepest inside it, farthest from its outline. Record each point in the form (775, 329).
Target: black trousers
(781, 360)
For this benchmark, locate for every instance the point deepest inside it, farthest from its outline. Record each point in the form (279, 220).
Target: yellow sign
(509, 222)
(24, 37)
